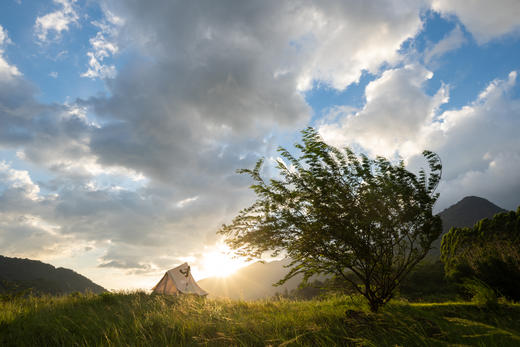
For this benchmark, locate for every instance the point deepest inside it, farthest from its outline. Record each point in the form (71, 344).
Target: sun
(219, 262)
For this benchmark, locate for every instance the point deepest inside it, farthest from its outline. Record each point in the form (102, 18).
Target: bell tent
(178, 280)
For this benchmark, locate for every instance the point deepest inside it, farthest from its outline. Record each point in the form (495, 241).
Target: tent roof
(179, 279)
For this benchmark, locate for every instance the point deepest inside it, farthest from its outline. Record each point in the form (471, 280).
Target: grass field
(138, 319)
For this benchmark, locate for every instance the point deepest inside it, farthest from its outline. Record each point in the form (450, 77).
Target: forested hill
(18, 274)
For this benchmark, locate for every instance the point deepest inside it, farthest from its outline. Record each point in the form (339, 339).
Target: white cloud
(103, 45)
(498, 180)
(23, 230)
(4, 38)
(57, 21)
(450, 42)
(53, 74)
(339, 40)
(186, 201)
(396, 112)
(18, 180)
(97, 69)
(485, 19)
(7, 71)
(478, 143)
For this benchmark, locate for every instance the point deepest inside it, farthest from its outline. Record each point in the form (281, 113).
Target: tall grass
(139, 319)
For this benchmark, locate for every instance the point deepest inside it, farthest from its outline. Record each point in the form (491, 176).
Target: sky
(122, 123)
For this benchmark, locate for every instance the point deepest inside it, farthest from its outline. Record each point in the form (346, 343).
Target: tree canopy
(334, 212)
(489, 252)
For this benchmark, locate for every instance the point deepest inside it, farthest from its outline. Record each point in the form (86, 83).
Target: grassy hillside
(139, 319)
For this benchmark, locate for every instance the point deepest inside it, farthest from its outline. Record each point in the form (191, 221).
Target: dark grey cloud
(209, 87)
(212, 82)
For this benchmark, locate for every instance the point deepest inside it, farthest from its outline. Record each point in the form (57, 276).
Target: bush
(482, 294)
(489, 252)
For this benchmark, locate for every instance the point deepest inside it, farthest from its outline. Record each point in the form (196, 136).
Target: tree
(488, 252)
(364, 220)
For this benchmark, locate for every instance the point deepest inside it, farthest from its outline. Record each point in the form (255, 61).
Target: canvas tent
(178, 280)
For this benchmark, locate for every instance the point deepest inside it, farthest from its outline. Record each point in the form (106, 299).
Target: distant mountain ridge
(251, 282)
(18, 274)
(255, 281)
(467, 212)
(464, 213)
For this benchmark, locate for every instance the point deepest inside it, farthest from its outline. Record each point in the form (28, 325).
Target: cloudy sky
(122, 122)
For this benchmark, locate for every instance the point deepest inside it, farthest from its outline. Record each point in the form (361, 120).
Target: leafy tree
(488, 252)
(367, 221)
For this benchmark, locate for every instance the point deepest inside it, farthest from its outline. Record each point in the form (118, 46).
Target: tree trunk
(374, 306)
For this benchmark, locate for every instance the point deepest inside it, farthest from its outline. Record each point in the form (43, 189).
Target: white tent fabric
(178, 280)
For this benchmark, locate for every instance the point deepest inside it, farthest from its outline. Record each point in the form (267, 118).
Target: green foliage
(138, 319)
(334, 212)
(481, 293)
(489, 252)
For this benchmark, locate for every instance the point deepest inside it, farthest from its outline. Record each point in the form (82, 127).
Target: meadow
(139, 319)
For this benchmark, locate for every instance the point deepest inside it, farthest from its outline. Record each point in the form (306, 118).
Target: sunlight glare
(219, 262)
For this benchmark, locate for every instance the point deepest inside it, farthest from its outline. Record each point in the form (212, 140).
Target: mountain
(19, 274)
(255, 281)
(467, 212)
(464, 213)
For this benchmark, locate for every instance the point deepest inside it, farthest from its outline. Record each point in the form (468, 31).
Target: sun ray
(219, 261)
